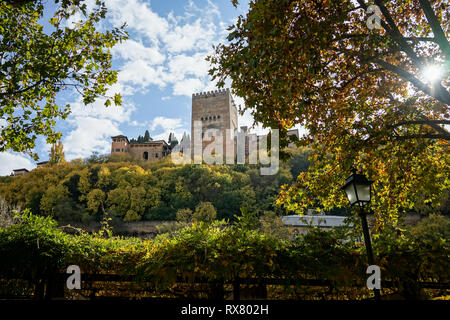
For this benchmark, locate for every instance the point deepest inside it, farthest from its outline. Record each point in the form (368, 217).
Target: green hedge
(34, 248)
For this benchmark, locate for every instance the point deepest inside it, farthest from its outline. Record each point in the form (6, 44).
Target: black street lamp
(358, 190)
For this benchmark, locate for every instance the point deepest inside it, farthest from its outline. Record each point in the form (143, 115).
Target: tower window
(218, 117)
(117, 150)
(156, 155)
(145, 155)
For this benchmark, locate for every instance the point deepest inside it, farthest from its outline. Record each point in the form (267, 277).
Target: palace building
(149, 150)
(213, 109)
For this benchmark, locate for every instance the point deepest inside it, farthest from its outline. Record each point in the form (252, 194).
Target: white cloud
(182, 65)
(98, 110)
(197, 35)
(162, 50)
(168, 125)
(165, 135)
(139, 18)
(10, 161)
(45, 148)
(94, 125)
(247, 120)
(136, 50)
(141, 73)
(135, 123)
(91, 134)
(165, 123)
(188, 86)
(167, 50)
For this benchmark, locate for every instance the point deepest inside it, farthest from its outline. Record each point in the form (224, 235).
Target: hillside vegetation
(130, 190)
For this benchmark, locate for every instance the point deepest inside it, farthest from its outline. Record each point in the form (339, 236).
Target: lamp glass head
(358, 189)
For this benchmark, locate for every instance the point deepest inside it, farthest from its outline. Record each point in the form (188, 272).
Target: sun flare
(432, 73)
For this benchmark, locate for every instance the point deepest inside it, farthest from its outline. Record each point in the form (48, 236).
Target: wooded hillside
(130, 190)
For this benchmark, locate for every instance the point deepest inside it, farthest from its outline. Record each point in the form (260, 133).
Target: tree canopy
(142, 139)
(38, 60)
(361, 93)
(56, 154)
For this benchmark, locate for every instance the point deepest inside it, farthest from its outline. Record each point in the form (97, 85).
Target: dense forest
(132, 190)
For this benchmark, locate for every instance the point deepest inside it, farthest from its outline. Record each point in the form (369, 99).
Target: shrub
(35, 249)
(205, 212)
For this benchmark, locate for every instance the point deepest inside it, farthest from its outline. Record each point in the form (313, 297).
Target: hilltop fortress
(213, 109)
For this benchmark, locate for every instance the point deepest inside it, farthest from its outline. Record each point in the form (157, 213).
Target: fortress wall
(137, 151)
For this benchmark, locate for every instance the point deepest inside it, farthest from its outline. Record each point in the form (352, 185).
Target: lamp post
(358, 190)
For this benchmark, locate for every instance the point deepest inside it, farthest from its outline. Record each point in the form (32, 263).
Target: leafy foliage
(205, 212)
(132, 190)
(142, 139)
(56, 154)
(39, 60)
(34, 249)
(360, 94)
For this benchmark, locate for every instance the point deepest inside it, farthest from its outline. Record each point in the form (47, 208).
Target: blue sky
(160, 66)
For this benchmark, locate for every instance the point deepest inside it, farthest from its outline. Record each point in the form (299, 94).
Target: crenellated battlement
(213, 93)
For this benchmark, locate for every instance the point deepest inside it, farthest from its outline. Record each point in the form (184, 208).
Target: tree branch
(435, 126)
(432, 123)
(409, 110)
(346, 83)
(437, 91)
(396, 34)
(424, 136)
(402, 123)
(436, 27)
(7, 93)
(421, 39)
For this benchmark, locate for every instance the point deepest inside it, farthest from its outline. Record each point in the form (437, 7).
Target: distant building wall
(302, 223)
(42, 164)
(150, 151)
(20, 172)
(293, 132)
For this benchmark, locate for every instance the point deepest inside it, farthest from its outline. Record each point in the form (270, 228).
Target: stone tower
(216, 110)
(119, 144)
